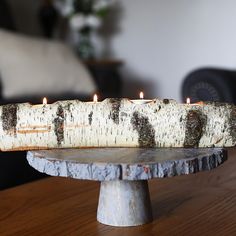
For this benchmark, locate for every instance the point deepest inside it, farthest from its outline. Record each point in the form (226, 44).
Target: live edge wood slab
(116, 123)
(124, 196)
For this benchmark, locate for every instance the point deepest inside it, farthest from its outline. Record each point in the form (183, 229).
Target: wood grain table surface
(197, 204)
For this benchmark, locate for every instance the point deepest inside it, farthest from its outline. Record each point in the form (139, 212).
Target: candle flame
(188, 101)
(141, 95)
(95, 98)
(45, 101)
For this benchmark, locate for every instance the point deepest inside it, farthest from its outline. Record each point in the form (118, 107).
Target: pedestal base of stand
(124, 196)
(124, 203)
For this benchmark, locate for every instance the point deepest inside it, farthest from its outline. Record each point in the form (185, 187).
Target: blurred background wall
(160, 41)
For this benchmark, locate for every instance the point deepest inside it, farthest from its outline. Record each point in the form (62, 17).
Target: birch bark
(116, 123)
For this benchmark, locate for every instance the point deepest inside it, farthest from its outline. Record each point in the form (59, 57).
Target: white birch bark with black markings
(116, 123)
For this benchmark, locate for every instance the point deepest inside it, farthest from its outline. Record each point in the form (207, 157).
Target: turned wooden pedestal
(124, 203)
(124, 196)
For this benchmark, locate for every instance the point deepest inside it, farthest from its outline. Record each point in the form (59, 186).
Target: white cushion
(31, 66)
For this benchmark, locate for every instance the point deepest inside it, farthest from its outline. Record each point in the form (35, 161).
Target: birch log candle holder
(116, 123)
(123, 125)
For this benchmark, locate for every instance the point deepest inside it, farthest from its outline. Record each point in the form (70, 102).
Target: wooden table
(198, 204)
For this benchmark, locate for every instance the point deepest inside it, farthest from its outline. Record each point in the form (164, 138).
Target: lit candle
(141, 95)
(188, 101)
(44, 101)
(41, 105)
(194, 104)
(95, 98)
(141, 100)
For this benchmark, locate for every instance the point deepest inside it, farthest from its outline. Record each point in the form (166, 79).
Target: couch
(30, 69)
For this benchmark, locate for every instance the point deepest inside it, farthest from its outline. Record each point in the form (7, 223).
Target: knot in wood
(194, 128)
(145, 130)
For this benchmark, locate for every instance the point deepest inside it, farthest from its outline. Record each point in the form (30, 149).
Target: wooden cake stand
(124, 196)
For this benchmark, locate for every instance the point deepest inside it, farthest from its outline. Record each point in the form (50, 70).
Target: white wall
(162, 40)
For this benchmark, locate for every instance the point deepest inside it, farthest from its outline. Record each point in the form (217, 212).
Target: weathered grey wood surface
(124, 203)
(125, 163)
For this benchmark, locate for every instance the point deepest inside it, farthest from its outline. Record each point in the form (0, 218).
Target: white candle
(141, 100)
